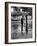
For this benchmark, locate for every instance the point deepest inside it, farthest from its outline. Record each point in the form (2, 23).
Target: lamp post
(26, 26)
(22, 24)
(26, 15)
(26, 21)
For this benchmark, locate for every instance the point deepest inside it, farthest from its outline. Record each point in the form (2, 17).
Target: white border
(9, 23)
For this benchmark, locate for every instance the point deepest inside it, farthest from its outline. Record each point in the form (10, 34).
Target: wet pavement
(16, 31)
(21, 35)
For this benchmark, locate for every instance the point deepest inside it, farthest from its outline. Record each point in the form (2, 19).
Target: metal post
(26, 26)
(21, 24)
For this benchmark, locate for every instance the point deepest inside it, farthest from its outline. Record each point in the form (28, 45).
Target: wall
(2, 24)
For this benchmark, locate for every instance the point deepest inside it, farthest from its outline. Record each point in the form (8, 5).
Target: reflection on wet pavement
(16, 31)
(21, 35)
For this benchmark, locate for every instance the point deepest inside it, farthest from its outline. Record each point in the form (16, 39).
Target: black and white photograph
(21, 22)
